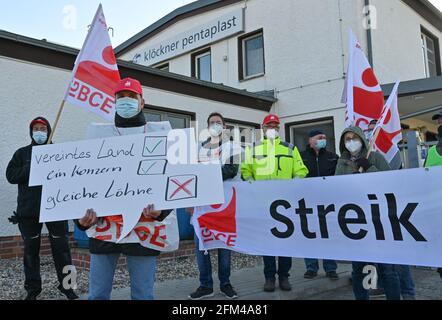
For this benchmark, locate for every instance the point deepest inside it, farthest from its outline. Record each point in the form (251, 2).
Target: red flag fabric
(95, 75)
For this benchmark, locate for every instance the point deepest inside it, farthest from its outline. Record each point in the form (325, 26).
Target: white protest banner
(385, 217)
(122, 175)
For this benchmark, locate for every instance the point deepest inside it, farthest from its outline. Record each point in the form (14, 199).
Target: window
(251, 55)
(164, 67)
(430, 54)
(245, 133)
(202, 65)
(177, 120)
(299, 132)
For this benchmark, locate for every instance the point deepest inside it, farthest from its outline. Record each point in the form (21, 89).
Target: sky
(65, 22)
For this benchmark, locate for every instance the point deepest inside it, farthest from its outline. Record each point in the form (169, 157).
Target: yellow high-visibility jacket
(275, 160)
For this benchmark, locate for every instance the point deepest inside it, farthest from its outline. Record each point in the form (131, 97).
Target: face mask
(272, 134)
(369, 135)
(39, 136)
(321, 144)
(127, 107)
(216, 130)
(354, 146)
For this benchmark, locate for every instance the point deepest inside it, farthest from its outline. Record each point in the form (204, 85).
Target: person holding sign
(356, 159)
(27, 217)
(217, 149)
(141, 260)
(273, 159)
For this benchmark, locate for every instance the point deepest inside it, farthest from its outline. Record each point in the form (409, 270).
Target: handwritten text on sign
(122, 175)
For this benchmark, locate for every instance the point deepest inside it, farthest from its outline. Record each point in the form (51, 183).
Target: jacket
(321, 165)
(275, 160)
(347, 166)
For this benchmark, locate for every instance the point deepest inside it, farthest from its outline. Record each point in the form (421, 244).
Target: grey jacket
(347, 166)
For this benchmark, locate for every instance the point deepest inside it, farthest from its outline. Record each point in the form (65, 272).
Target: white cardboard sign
(122, 175)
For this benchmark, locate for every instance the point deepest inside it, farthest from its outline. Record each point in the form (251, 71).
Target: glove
(14, 218)
(363, 163)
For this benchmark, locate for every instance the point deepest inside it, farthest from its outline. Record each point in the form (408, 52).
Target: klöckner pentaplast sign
(215, 30)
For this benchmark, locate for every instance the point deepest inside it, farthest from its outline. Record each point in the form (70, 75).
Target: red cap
(41, 121)
(271, 118)
(129, 84)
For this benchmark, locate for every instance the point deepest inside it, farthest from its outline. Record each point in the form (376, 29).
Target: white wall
(306, 44)
(30, 90)
(397, 41)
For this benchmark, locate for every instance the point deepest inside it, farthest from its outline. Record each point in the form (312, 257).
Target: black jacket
(323, 165)
(129, 249)
(17, 172)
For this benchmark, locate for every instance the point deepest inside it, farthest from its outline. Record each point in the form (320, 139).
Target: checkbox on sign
(152, 167)
(155, 147)
(181, 187)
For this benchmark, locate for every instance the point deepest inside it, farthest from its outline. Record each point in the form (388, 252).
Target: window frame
(425, 34)
(189, 117)
(242, 56)
(311, 122)
(194, 65)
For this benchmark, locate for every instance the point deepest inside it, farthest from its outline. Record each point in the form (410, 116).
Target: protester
(438, 117)
(354, 150)
(27, 217)
(217, 149)
(273, 159)
(141, 261)
(434, 157)
(320, 163)
(370, 129)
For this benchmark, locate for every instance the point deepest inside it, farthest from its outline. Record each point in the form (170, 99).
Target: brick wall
(12, 247)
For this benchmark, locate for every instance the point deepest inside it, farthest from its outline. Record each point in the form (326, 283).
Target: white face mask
(216, 130)
(354, 146)
(272, 134)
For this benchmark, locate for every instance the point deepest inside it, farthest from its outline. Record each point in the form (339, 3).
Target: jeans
(205, 266)
(313, 265)
(284, 266)
(406, 280)
(141, 272)
(59, 239)
(387, 275)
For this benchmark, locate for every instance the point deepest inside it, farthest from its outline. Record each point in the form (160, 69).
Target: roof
(42, 52)
(412, 87)
(423, 7)
(192, 8)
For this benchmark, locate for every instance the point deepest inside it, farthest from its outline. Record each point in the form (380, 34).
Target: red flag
(362, 92)
(95, 74)
(389, 127)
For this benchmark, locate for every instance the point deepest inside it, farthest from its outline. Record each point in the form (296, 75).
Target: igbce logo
(220, 225)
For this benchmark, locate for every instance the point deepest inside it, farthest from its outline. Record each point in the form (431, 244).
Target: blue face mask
(39, 136)
(321, 144)
(127, 107)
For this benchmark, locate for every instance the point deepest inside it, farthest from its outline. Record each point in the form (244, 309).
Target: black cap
(315, 132)
(437, 115)
(374, 121)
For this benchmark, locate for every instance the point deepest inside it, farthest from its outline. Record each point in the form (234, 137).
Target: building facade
(243, 58)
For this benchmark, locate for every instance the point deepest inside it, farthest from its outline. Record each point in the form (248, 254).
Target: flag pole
(60, 110)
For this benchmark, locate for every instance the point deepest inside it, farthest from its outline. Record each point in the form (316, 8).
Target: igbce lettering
(352, 220)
